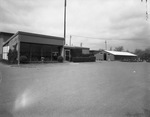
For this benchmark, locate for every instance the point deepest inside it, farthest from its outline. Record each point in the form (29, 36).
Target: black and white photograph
(74, 58)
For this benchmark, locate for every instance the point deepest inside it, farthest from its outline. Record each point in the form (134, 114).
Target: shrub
(60, 59)
(23, 59)
(12, 56)
(84, 59)
(92, 58)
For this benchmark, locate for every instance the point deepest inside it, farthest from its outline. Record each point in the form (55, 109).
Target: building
(75, 51)
(34, 46)
(4, 36)
(106, 55)
(93, 52)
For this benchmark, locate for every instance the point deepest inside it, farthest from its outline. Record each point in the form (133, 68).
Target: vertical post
(105, 45)
(65, 5)
(70, 39)
(30, 52)
(65, 20)
(51, 54)
(18, 51)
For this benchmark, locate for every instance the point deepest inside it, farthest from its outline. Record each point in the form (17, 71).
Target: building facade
(34, 46)
(75, 51)
(3, 38)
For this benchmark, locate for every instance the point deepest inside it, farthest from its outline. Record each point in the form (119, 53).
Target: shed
(115, 56)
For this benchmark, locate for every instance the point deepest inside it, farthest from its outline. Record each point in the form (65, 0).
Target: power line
(105, 38)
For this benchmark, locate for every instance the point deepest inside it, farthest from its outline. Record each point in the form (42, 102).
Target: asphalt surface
(101, 89)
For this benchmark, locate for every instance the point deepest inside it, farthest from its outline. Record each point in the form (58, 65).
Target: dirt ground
(99, 89)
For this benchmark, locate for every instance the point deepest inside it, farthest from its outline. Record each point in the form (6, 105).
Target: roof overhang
(75, 47)
(37, 38)
(118, 53)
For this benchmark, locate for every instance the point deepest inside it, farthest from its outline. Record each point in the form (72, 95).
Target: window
(5, 52)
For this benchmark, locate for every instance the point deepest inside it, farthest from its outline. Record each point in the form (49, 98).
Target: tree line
(143, 55)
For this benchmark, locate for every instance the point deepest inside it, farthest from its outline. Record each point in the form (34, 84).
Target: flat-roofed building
(34, 46)
(75, 51)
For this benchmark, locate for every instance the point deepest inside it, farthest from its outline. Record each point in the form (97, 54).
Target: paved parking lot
(100, 89)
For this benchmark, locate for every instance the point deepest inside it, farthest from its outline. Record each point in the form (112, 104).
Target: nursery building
(34, 46)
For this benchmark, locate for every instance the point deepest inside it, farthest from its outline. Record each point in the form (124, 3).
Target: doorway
(105, 57)
(67, 55)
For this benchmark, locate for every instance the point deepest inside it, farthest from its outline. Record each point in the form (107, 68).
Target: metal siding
(40, 40)
(99, 56)
(85, 51)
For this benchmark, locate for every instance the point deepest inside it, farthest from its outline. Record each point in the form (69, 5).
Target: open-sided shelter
(115, 56)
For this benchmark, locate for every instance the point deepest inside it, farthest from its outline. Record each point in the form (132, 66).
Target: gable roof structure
(118, 53)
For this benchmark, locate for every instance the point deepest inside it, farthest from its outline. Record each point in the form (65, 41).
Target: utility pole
(105, 45)
(63, 50)
(70, 40)
(65, 8)
(81, 44)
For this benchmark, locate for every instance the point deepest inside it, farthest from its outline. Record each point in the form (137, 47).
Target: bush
(5, 61)
(12, 56)
(92, 58)
(84, 59)
(23, 59)
(60, 59)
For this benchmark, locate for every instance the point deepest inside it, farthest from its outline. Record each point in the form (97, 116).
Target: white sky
(120, 22)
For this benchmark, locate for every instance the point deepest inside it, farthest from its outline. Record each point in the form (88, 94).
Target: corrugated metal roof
(120, 53)
(67, 46)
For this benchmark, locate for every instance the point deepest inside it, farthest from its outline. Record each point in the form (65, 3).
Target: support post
(62, 53)
(65, 6)
(105, 45)
(18, 52)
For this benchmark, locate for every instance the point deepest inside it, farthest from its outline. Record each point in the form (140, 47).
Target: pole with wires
(105, 45)
(70, 40)
(65, 8)
(64, 42)
(147, 14)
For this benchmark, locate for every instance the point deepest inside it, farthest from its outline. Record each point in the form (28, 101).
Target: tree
(12, 54)
(143, 54)
(119, 48)
(139, 52)
(145, 0)
(146, 9)
(147, 54)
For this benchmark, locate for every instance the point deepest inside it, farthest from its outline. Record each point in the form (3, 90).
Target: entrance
(67, 55)
(105, 57)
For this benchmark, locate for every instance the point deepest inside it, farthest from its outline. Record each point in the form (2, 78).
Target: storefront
(35, 47)
(75, 51)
